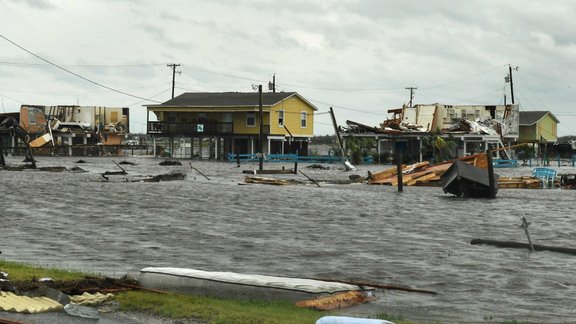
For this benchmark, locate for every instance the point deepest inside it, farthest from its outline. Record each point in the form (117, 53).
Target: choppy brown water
(418, 238)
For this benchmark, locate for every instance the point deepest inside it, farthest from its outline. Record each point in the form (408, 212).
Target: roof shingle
(528, 118)
(226, 99)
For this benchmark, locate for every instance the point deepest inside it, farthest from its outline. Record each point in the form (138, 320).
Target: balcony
(194, 128)
(205, 128)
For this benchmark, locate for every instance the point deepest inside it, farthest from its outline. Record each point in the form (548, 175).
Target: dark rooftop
(531, 117)
(227, 99)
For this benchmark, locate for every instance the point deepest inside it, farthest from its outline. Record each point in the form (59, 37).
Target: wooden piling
(399, 169)
(2, 161)
(491, 180)
(518, 245)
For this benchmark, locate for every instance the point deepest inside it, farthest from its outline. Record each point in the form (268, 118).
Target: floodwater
(418, 238)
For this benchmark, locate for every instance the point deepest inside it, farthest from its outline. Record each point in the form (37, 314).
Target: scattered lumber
(424, 174)
(270, 181)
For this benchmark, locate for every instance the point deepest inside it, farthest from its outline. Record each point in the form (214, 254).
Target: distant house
(538, 126)
(230, 122)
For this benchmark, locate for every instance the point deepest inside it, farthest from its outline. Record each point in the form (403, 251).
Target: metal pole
(525, 225)
(261, 135)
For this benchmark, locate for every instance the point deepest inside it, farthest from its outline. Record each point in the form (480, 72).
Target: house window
(31, 116)
(281, 118)
(303, 119)
(250, 119)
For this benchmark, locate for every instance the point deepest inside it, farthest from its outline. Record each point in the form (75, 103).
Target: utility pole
(411, 94)
(510, 80)
(261, 134)
(173, 66)
(272, 85)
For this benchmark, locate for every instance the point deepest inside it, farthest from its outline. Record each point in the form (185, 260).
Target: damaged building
(68, 130)
(475, 128)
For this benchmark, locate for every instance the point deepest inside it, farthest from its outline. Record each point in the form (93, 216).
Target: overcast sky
(355, 56)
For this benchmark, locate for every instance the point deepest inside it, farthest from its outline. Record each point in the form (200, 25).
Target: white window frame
(249, 115)
(281, 118)
(303, 119)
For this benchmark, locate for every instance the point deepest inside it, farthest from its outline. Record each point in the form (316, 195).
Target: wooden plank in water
(518, 245)
(282, 171)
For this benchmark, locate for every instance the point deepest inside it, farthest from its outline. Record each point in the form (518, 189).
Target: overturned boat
(251, 286)
(468, 181)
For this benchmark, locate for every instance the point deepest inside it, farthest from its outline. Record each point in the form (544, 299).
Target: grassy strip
(215, 310)
(18, 271)
(174, 306)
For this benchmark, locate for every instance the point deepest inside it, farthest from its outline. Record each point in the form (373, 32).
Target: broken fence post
(525, 225)
(313, 181)
(193, 168)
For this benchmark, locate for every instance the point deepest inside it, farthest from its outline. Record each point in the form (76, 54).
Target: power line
(159, 93)
(73, 73)
(463, 79)
(5, 96)
(225, 74)
(339, 89)
(89, 66)
(347, 108)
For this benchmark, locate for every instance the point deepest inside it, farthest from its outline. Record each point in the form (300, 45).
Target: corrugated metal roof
(10, 302)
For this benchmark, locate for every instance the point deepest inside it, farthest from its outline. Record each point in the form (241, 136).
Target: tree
(524, 153)
(359, 147)
(437, 148)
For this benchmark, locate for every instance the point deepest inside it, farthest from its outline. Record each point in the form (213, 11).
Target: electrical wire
(530, 89)
(463, 79)
(159, 93)
(74, 73)
(347, 108)
(15, 100)
(39, 65)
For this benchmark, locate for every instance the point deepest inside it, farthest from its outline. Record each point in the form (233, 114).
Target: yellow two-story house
(234, 122)
(538, 127)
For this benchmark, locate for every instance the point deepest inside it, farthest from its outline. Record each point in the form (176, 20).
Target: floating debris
(271, 181)
(53, 169)
(338, 300)
(127, 162)
(568, 181)
(318, 166)
(170, 162)
(160, 177)
(465, 180)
